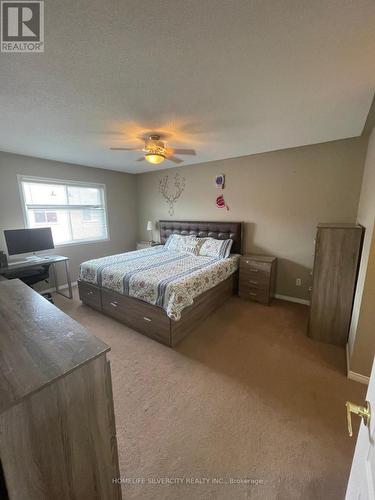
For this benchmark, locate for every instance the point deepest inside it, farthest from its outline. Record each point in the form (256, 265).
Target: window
(43, 216)
(76, 212)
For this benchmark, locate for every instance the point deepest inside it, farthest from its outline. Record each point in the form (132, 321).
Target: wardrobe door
(337, 255)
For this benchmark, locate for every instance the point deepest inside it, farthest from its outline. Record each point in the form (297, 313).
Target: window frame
(65, 182)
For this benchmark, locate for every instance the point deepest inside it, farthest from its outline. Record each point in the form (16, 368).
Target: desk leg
(55, 277)
(67, 273)
(68, 279)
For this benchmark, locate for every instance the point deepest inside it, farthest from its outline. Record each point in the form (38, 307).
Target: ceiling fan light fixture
(155, 151)
(154, 158)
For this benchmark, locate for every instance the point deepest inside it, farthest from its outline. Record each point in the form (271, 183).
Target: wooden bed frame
(153, 321)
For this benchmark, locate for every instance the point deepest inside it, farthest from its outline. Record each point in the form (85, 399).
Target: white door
(361, 484)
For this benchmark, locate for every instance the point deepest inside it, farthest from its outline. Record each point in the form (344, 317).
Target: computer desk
(19, 265)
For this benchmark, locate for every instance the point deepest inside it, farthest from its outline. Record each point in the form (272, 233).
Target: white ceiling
(226, 77)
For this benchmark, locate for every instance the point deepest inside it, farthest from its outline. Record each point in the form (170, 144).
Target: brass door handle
(363, 411)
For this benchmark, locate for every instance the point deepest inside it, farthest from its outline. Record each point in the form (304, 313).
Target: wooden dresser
(57, 427)
(257, 277)
(337, 255)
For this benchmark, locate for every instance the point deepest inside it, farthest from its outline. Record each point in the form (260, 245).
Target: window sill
(82, 242)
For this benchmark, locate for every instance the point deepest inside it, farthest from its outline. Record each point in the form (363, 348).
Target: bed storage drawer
(145, 318)
(90, 295)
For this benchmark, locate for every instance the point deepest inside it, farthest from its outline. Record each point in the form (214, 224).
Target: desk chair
(32, 276)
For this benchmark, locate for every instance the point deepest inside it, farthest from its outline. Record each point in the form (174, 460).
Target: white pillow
(180, 243)
(216, 248)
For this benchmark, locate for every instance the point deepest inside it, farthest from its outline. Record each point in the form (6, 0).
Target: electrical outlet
(298, 282)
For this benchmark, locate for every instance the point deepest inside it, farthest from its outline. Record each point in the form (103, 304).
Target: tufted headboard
(217, 230)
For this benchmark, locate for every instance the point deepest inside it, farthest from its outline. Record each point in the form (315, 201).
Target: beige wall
(281, 196)
(362, 331)
(121, 203)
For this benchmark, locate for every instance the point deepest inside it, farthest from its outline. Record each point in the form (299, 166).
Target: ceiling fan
(155, 151)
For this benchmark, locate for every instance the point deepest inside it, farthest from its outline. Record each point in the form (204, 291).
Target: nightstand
(257, 278)
(146, 244)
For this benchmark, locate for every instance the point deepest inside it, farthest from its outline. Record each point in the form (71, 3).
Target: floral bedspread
(161, 277)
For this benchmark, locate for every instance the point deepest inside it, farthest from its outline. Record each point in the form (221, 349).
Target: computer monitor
(28, 240)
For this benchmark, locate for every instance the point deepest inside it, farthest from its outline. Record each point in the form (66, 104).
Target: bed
(159, 292)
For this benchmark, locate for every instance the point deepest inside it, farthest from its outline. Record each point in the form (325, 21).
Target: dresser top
(342, 225)
(259, 258)
(38, 343)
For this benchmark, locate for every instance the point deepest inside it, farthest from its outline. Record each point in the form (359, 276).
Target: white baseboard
(61, 287)
(362, 379)
(292, 299)
(357, 377)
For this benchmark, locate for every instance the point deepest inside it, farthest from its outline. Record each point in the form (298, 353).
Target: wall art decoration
(220, 202)
(171, 195)
(220, 181)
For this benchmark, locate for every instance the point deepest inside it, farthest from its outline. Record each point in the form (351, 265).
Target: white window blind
(75, 212)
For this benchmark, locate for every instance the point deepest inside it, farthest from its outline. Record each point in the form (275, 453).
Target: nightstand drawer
(258, 275)
(258, 295)
(255, 266)
(143, 244)
(146, 244)
(250, 282)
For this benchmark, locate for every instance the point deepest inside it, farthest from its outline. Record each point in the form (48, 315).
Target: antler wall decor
(169, 196)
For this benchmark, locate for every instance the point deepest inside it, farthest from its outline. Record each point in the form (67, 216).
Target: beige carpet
(245, 396)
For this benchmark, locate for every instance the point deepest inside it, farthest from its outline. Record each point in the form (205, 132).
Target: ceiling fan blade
(140, 159)
(125, 149)
(184, 151)
(175, 159)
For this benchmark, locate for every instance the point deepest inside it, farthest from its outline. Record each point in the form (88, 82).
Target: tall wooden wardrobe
(337, 256)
